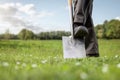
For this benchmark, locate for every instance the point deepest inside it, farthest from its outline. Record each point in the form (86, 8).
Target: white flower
(24, 64)
(5, 64)
(105, 56)
(55, 57)
(83, 75)
(116, 56)
(44, 61)
(16, 67)
(105, 68)
(18, 63)
(30, 55)
(34, 65)
(118, 65)
(77, 63)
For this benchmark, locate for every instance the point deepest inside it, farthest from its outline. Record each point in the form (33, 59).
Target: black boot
(80, 31)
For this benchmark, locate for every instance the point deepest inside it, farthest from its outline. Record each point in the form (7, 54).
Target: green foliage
(25, 34)
(52, 35)
(7, 35)
(109, 29)
(1, 36)
(113, 29)
(43, 60)
(99, 31)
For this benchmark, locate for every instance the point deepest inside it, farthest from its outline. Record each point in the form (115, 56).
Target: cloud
(19, 15)
(118, 18)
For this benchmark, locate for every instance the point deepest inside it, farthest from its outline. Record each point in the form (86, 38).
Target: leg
(80, 11)
(82, 14)
(91, 43)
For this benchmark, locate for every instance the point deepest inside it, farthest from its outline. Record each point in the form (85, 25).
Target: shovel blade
(73, 48)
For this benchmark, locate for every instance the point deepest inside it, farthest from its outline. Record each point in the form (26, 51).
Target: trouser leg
(82, 14)
(91, 43)
(80, 10)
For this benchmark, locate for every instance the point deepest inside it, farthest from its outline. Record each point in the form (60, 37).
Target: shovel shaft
(70, 6)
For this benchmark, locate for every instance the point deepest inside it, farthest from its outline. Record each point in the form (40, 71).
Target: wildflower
(16, 67)
(30, 55)
(116, 56)
(55, 57)
(105, 56)
(118, 65)
(83, 75)
(77, 63)
(5, 64)
(34, 65)
(18, 63)
(105, 68)
(44, 61)
(24, 64)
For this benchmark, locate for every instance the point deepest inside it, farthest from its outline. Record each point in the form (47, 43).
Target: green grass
(43, 60)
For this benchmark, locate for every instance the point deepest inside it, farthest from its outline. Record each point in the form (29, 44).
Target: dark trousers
(83, 14)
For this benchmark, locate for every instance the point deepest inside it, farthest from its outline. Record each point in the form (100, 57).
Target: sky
(49, 15)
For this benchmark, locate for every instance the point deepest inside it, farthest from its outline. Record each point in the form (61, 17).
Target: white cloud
(19, 15)
(44, 14)
(7, 9)
(118, 18)
(28, 9)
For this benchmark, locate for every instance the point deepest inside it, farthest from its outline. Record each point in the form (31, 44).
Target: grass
(43, 60)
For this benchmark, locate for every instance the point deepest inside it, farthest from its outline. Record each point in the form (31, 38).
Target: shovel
(73, 48)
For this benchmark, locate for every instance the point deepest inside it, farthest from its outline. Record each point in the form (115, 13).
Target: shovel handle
(70, 2)
(70, 5)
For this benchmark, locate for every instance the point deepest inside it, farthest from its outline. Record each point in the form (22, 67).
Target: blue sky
(47, 15)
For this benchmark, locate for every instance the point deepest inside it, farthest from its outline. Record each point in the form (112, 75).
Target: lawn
(43, 60)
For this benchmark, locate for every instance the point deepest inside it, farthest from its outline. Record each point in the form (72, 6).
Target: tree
(109, 29)
(113, 29)
(52, 35)
(99, 31)
(25, 34)
(7, 34)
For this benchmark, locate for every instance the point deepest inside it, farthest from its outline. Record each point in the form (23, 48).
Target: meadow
(43, 60)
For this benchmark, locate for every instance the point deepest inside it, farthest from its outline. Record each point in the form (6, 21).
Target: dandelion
(83, 75)
(118, 65)
(5, 64)
(34, 65)
(44, 61)
(105, 68)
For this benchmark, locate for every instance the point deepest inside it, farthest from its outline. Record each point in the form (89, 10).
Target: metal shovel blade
(73, 48)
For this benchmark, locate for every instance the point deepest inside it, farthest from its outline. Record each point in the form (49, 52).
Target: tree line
(107, 30)
(26, 34)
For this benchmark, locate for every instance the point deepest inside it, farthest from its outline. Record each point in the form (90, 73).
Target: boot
(80, 31)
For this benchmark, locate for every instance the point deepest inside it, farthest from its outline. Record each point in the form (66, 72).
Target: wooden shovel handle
(70, 2)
